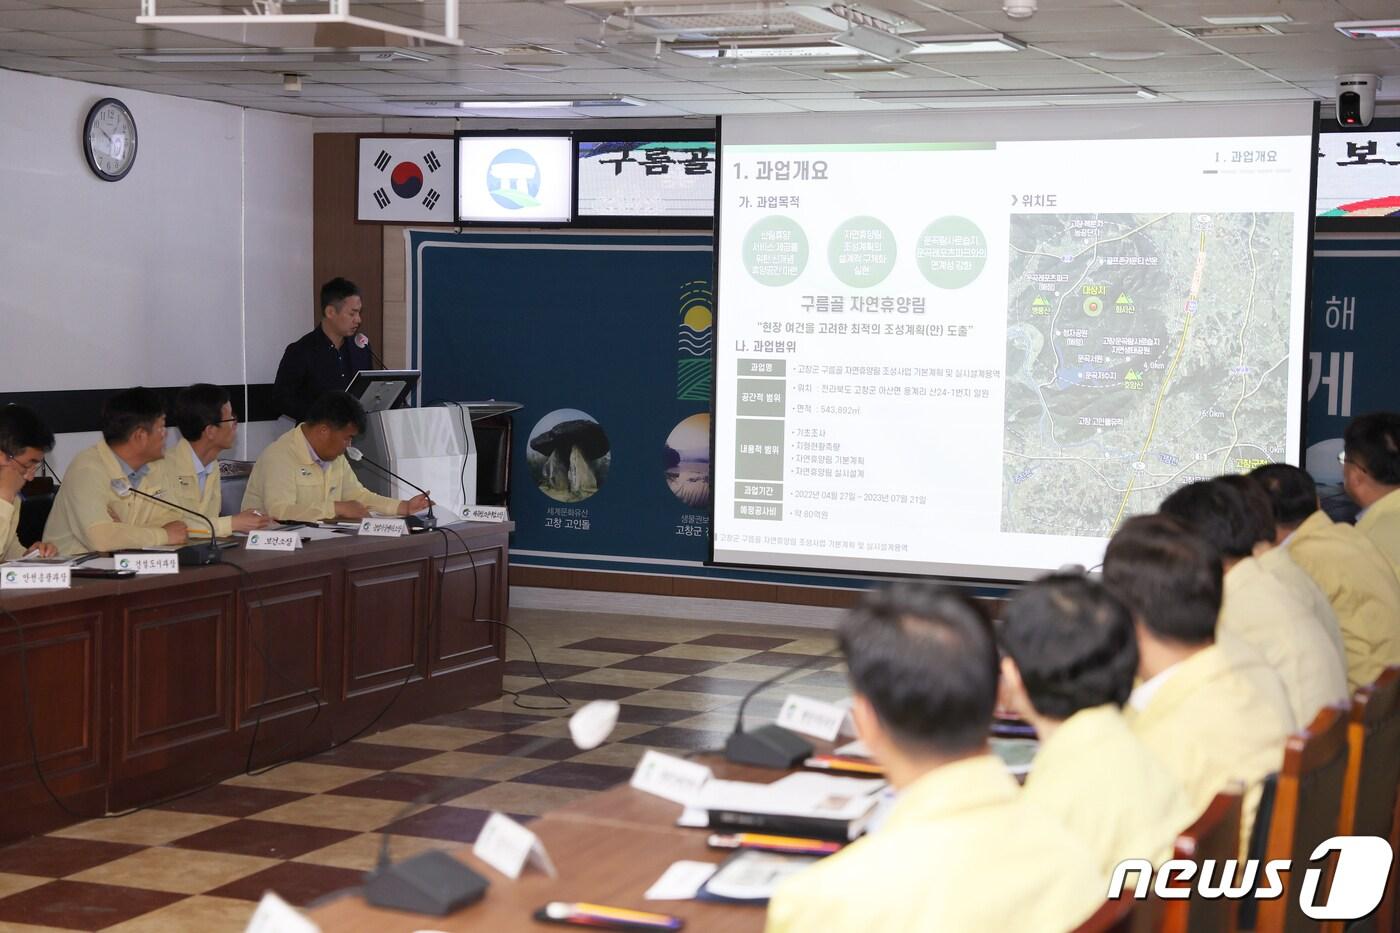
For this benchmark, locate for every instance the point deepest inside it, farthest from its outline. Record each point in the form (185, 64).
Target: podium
(434, 447)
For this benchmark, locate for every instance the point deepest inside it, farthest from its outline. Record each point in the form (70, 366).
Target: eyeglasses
(233, 420)
(1342, 457)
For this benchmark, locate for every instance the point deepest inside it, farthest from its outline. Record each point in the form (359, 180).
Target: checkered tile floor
(313, 827)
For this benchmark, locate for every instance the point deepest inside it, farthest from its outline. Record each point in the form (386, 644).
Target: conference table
(606, 849)
(141, 688)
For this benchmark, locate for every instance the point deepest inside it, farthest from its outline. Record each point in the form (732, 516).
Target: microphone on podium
(428, 521)
(770, 746)
(190, 555)
(362, 342)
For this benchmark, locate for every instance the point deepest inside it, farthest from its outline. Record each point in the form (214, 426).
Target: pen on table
(559, 910)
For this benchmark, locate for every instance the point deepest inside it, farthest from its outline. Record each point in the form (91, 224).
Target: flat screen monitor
(383, 389)
(656, 179)
(1358, 178)
(515, 178)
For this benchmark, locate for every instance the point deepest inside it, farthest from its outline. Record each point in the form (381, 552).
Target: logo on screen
(513, 179)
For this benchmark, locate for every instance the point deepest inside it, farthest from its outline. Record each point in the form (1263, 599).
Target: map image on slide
(1143, 352)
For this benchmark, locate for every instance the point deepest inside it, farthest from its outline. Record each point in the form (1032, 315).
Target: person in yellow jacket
(23, 442)
(1069, 660)
(304, 476)
(959, 850)
(1257, 609)
(1348, 567)
(95, 509)
(1214, 712)
(1371, 475)
(203, 413)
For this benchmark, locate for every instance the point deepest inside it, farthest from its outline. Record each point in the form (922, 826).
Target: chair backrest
(1306, 809)
(1215, 836)
(1369, 804)
(1115, 916)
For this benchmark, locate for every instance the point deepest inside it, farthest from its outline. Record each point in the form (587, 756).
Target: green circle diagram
(951, 252)
(1093, 306)
(862, 252)
(775, 251)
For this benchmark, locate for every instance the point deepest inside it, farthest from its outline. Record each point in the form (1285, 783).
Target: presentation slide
(515, 179)
(646, 179)
(972, 345)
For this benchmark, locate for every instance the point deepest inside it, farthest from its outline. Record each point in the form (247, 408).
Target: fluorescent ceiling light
(1111, 55)
(1370, 29)
(226, 56)
(944, 45)
(534, 103)
(886, 46)
(1245, 19)
(1045, 96)
(513, 104)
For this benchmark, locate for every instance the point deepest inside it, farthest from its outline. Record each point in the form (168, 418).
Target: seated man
(958, 850)
(1069, 663)
(1371, 475)
(1346, 564)
(23, 442)
(204, 415)
(1212, 718)
(303, 476)
(1257, 609)
(95, 509)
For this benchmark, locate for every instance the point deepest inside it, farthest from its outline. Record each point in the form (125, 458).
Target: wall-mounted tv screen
(509, 178)
(1358, 178)
(646, 179)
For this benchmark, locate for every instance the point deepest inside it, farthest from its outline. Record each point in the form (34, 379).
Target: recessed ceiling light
(1246, 19)
(940, 45)
(1126, 56)
(1370, 29)
(531, 67)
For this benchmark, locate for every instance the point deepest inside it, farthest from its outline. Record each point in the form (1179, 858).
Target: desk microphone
(362, 342)
(435, 882)
(189, 555)
(770, 746)
(354, 453)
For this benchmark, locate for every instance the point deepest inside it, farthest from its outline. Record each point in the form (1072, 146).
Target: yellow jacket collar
(968, 784)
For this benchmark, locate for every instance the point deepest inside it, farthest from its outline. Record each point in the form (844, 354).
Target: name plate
(35, 578)
(383, 527)
(669, 777)
(508, 847)
(144, 563)
(811, 717)
(273, 541)
(486, 513)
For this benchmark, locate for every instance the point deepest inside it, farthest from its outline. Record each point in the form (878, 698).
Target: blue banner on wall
(606, 340)
(1352, 341)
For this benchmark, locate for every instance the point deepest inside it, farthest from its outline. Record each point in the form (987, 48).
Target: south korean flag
(405, 180)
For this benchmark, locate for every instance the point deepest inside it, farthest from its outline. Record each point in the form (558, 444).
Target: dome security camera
(1018, 9)
(1356, 99)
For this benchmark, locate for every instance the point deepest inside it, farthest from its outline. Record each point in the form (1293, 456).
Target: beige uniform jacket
(89, 515)
(1260, 611)
(1219, 716)
(288, 485)
(959, 852)
(185, 490)
(1100, 782)
(1381, 523)
(1362, 588)
(1305, 590)
(10, 548)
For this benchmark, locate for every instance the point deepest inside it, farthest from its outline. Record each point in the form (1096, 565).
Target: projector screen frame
(460, 222)
(644, 221)
(989, 580)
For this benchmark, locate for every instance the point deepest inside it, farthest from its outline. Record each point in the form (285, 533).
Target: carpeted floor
(311, 828)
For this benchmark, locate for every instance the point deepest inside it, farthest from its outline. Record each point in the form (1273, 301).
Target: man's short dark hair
(1073, 642)
(21, 429)
(126, 411)
(1291, 491)
(197, 407)
(1256, 501)
(1216, 512)
(1372, 442)
(336, 410)
(336, 291)
(1169, 576)
(926, 659)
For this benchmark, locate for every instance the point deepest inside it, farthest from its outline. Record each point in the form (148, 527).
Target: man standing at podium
(326, 359)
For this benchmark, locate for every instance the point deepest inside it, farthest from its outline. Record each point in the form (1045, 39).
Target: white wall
(195, 267)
